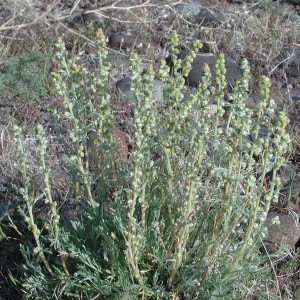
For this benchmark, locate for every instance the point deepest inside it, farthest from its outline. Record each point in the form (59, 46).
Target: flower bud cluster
(43, 143)
(164, 71)
(176, 124)
(101, 43)
(240, 119)
(187, 64)
(281, 139)
(173, 48)
(220, 70)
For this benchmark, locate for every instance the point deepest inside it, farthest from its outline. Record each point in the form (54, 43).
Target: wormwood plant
(184, 217)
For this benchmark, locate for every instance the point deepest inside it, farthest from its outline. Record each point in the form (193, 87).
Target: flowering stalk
(237, 129)
(132, 227)
(29, 200)
(280, 141)
(196, 126)
(220, 69)
(42, 142)
(70, 99)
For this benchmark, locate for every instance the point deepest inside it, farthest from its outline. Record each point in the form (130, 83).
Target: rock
(127, 42)
(294, 65)
(292, 188)
(281, 96)
(122, 145)
(158, 91)
(95, 157)
(262, 134)
(296, 101)
(123, 87)
(285, 10)
(287, 173)
(295, 2)
(287, 233)
(195, 75)
(293, 16)
(187, 9)
(207, 17)
(277, 9)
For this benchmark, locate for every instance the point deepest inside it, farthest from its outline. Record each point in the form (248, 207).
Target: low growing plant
(26, 76)
(184, 217)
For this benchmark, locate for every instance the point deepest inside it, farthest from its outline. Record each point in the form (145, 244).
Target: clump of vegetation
(184, 217)
(26, 76)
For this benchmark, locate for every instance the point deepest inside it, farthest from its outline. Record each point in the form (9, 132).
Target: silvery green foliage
(184, 217)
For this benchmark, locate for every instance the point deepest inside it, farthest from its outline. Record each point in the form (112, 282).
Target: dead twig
(75, 6)
(23, 25)
(75, 12)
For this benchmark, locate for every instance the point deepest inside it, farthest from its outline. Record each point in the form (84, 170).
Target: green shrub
(26, 76)
(184, 217)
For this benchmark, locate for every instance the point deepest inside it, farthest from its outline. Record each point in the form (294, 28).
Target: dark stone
(287, 233)
(292, 188)
(294, 65)
(127, 42)
(262, 133)
(296, 101)
(118, 59)
(287, 172)
(188, 9)
(208, 17)
(295, 2)
(293, 17)
(123, 87)
(194, 78)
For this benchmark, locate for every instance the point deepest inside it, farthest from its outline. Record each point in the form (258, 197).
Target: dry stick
(278, 65)
(107, 7)
(3, 28)
(11, 38)
(75, 6)
(112, 18)
(129, 9)
(24, 25)
(113, 6)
